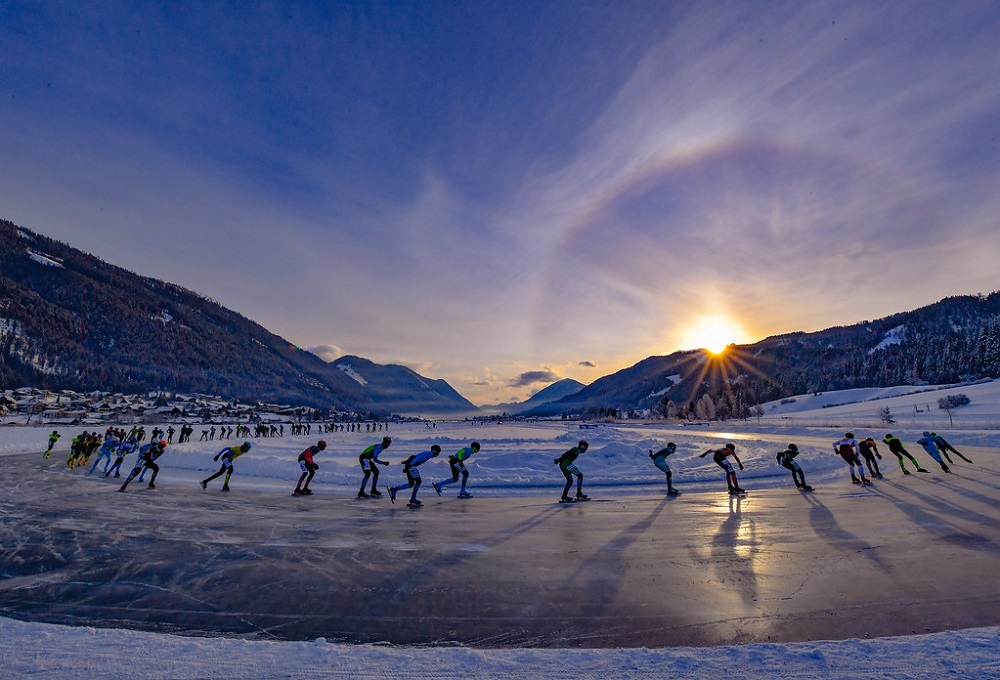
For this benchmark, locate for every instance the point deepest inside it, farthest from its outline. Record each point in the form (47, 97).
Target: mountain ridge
(69, 320)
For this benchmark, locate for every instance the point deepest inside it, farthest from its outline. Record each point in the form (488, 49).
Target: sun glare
(713, 333)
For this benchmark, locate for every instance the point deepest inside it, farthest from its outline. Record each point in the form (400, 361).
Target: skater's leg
(416, 486)
(670, 486)
(216, 475)
(569, 484)
(956, 452)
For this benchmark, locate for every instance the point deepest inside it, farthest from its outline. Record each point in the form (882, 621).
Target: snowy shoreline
(30, 650)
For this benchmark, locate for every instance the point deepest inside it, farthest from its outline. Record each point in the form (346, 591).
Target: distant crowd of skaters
(116, 444)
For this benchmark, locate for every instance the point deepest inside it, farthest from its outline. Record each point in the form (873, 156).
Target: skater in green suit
(660, 461)
(567, 463)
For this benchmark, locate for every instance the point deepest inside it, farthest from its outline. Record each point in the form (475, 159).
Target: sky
(502, 194)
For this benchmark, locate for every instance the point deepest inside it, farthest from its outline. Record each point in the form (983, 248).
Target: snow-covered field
(517, 460)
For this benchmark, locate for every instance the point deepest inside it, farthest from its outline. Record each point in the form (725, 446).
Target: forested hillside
(68, 320)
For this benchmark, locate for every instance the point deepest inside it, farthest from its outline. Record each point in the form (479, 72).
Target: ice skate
(392, 494)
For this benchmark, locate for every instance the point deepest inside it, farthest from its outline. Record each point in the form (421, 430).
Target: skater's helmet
(246, 446)
(793, 447)
(475, 446)
(321, 445)
(889, 436)
(435, 449)
(162, 443)
(731, 446)
(671, 445)
(583, 444)
(386, 441)
(849, 435)
(927, 434)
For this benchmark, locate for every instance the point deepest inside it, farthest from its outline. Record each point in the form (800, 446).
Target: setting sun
(713, 333)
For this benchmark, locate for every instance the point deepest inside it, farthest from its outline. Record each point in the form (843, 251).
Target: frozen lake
(510, 567)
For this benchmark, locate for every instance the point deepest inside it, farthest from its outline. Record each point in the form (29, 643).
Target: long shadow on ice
(827, 528)
(938, 526)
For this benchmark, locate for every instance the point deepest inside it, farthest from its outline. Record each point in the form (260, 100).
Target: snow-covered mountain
(554, 392)
(952, 341)
(69, 320)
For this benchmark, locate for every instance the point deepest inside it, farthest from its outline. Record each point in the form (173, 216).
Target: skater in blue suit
(930, 446)
(411, 467)
(109, 446)
(126, 447)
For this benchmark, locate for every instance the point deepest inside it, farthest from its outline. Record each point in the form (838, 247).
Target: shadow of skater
(824, 524)
(603, 573)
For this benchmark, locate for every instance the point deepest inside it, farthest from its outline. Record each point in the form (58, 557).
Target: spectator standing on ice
(53, 438)
(147, 459)
(368, 459)
(457, 464)
(897, 449)
(567, 464)
(720, 457)
(411, 467)
(309, 467)
(848, 450)
(786, 459)
(660, 461)
(930, 446)
(228, 455)
(944, 447)
(869, 451)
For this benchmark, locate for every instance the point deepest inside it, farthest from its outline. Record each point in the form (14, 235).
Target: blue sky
(501, 194)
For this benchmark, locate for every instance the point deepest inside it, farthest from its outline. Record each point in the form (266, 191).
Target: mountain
(554, 392)
(69, 320)
(954, 340)
(402, 390)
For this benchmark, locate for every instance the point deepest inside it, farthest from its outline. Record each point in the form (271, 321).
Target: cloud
(327, 353)
(587, 364)
(531, 377)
